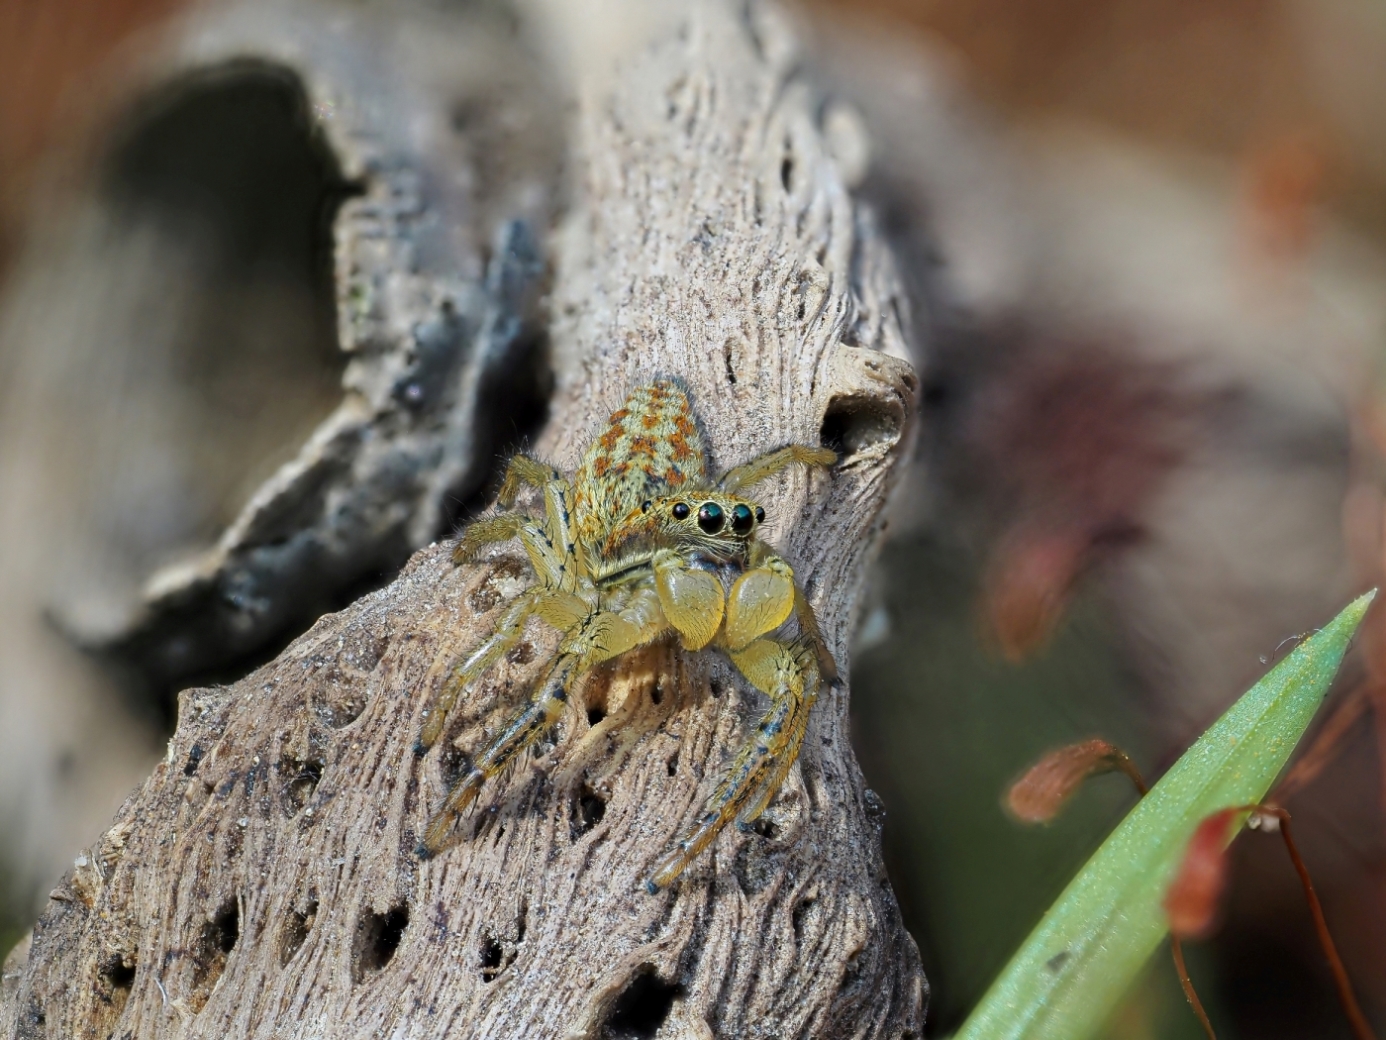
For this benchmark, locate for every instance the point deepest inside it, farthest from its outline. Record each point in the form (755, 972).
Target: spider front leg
(790, 673)
(787, 674)
(767, 465)
(592, 638)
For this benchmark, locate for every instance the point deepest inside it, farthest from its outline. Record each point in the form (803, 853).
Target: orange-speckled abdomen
(650, 447)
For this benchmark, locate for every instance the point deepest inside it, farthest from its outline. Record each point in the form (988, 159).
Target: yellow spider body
(637, 546)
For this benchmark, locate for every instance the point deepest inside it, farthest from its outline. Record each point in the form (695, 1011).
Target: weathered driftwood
(262, 883)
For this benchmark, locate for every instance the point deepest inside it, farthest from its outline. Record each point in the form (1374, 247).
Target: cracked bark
(262, 882)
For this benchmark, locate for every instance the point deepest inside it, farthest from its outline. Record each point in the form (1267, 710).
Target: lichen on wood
(263, 881)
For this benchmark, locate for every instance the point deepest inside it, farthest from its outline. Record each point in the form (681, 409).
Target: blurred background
(1147, 244)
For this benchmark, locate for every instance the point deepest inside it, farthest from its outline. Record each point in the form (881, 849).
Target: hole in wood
(296, 929)
(377, 938)
(491, 956)
(803, 910)
(498, 953)
(853, 424)
(641, 1008)
(215, 941)
(342, 703)
(452, 764)
(299, 780)
(588, 809)
(115, 980)
(595, 714)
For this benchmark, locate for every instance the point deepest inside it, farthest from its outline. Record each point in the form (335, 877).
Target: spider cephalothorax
(638, 545)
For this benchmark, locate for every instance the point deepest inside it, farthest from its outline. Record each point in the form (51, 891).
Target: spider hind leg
(477, 663)
(523, 471)
(523, 729)
(591, 639)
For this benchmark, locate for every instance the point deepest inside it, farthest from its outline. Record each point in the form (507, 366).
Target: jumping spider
(639, 545)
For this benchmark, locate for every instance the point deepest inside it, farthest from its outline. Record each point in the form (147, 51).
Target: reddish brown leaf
(1029, 587)
(1038, 796)
(1192, 899)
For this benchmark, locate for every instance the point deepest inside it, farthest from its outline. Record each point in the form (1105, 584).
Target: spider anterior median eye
(711, 517)
(680, 511)
(741, 519)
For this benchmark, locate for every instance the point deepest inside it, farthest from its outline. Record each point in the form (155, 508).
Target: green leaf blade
(1091, 944)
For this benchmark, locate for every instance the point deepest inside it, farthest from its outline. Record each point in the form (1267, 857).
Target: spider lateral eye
(760, 515)
(711, 517)
(680, 511)
(645, 506)
(741, 519)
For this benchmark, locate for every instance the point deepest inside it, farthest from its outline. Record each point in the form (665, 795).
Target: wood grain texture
(262, 883)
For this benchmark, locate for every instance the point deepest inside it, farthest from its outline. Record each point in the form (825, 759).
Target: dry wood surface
(263, 883)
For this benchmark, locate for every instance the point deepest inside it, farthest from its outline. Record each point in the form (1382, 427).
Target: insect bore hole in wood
(300, 779)
(496, 955)
(116, 978)
(215, 942)
(853, 424)
(642, 1007)
(377, 939)
(589, 806)
(491, 956)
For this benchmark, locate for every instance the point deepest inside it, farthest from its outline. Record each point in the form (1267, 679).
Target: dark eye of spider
(741, 519)
(760, 515)
(680, 511)
(645, 506)
(711, 517)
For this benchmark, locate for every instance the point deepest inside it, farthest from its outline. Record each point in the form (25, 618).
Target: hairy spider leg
(776, 669)
(592, 639)
(550, 551)
(767, 465)
(478, 662)
(560, 609)
(759, 602)
(794, 742)
(809, 630)
(523, 471)
(764, 597)
(549, 545)
(489, 529)
(523, 729)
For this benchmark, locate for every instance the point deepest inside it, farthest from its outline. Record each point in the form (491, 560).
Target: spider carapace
(641, 545)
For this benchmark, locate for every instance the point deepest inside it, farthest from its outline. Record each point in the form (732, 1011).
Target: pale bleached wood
(709, 235)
